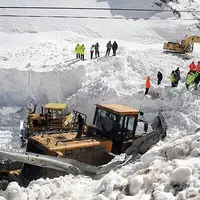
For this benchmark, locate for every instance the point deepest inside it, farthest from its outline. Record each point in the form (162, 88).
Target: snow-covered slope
(37, 65)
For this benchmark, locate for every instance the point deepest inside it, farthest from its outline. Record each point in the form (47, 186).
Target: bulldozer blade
(62, 164)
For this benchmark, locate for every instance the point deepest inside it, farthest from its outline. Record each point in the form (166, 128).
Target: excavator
(186, 45)
(90, 149)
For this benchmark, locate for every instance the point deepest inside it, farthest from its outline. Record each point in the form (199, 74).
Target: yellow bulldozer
(53, 116)
(88, 148)
(186, 45)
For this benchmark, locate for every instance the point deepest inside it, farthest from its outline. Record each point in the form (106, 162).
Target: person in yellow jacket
(190, 79)
(82, 51)
(77, 51)
(172, 78)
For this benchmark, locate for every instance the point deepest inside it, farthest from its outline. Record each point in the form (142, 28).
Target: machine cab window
(105, 120)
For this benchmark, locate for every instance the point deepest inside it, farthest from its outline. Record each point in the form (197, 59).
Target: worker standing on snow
(192, 67)
(172, 79)
(160, 77)
(91, 52)
(108, 46)
(77, 51)
(198, 67)
(190, 79)
(148, 85)
(82, 51)
(177, 77)
(114, 48)
(196, 81)
(96, 47)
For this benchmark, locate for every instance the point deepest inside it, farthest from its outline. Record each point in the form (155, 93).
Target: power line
(93, 8)
(89, 17)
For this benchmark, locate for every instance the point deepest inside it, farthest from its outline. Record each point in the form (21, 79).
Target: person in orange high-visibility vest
(198, 67)
(148, 85)
(192, 67)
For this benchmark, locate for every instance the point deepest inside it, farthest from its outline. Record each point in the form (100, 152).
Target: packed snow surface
(38, 65)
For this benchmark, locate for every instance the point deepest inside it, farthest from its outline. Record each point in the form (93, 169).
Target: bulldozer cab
(117, 123)
(53, 116)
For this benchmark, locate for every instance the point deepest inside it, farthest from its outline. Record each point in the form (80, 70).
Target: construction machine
(89, 148)
(186, 45)
(53, 116)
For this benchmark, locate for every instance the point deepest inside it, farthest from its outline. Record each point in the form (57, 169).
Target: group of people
(94, 50)
(193, 77)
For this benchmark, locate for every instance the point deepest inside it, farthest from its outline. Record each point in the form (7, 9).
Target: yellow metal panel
(55, 106)
(68, 142)
(118, 109)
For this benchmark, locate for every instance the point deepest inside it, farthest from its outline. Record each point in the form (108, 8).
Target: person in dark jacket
(108, 46)
(114, 48)
(96, 47)
(160, 77)
(196, 81)
(177, 77)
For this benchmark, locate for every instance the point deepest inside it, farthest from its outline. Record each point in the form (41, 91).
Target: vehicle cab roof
(55, 106)
(118, 109)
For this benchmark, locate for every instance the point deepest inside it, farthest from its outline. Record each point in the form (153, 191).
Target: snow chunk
(164, 196)
(110, 182)
(13, 192)
(101, 197)
(195, 144)
(136, 184)
(2, 198)
(181, 174)
(181, 195)
(149, 157)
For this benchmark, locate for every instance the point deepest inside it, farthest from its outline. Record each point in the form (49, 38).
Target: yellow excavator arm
(186, 45)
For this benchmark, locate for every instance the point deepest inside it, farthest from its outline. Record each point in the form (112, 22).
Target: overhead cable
(89, 17)
(94, 8)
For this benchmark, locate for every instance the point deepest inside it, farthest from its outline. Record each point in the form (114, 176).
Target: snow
(136, 184)
(181, 174)
(37, 66)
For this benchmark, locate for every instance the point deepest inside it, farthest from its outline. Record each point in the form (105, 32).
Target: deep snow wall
(18, 88)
